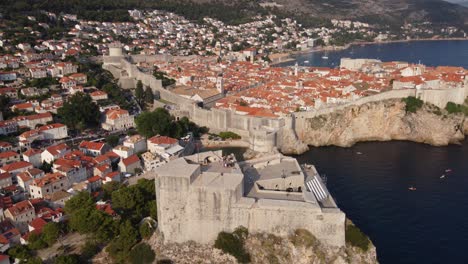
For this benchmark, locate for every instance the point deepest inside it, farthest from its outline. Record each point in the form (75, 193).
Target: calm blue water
(429, 225)
(431, 53)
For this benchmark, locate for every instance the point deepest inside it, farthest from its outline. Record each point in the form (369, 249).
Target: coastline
(292, 54)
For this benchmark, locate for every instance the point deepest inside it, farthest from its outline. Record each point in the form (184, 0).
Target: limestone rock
(383, 121)
(266, 248)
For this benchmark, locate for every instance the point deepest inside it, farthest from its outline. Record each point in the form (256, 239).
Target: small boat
(306, 62)
(443, 176)
(412, 188)
(325, 57)
(448, 170)
(359, 153)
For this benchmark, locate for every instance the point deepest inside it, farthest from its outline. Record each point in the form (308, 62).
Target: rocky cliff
(383, 121)
(299, 248)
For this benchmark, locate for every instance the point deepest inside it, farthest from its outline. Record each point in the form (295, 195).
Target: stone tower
(220, 83)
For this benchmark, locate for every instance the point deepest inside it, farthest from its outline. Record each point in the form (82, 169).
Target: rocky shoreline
(382, 121)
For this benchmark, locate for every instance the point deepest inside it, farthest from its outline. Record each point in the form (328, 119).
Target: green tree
(89, 250)
(149, 96)
(112, 140)
(46, 167)
(109, 188)
(152, 123)
(233, 244)
(20, 252)
(79, 112)
(413, 104)
(79, 201)
(119, 247)
(146, 229)
(139, 93)
(67, 259)
(50, 233)
(142, 254)
(35, 241)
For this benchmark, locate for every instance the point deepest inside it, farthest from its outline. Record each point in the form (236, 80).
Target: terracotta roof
(31, 152)
(107, 208)
(48, 179)
(21, 207)
(5, 175)
(131, 160)
(38, 223)
(116, 113)
(51, 126)
(57, 149)
(94, 179)
(7, 154)
(162, 140)
(92, 145)
(16, 165)
(4, 144)
(112, 174)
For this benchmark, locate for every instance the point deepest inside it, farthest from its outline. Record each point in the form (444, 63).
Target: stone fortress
(264, 134)
(206, 193)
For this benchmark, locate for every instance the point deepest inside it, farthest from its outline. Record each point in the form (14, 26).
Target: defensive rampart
(263, 134)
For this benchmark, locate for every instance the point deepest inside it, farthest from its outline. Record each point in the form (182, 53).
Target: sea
(371, 180)
(430, 53)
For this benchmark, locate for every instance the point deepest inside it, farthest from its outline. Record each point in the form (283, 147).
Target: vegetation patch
(303, 238)
(142, 254)
(453, 108)
(413, 104)
(233, 244)
(356, 238)
(229, 135)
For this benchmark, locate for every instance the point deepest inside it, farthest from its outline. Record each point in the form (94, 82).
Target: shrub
(233, 244)
(146, 230)
(356, 238)
(89, 249)
(142, 253)
(453, 108)
(67, 259)
(302, 237)
(413, 104)
(229, 134)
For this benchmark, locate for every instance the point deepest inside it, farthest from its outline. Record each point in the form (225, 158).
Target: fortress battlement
(201, 195)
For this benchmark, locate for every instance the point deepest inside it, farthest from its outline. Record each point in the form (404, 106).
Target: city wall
(263, 134)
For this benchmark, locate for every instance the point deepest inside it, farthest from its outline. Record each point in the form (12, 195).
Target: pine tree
(139, 93)
(149, 96)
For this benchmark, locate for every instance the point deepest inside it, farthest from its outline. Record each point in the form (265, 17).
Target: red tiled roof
(5, 175)
(38, 224)
(160, 140)
(112, 174)
(57, 149)
(21, 207)
(16, 165)
(131, 160)
(91, 145)
(48, 178)
(94, 179)
(31, 152)
(7, 154)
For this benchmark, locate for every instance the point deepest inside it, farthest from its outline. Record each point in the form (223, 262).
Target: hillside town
(67, 127)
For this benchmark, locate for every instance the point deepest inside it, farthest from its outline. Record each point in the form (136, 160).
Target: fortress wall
(200, 213)
(116, 71)
(271, 216)
(172, 203)
(440, 98)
